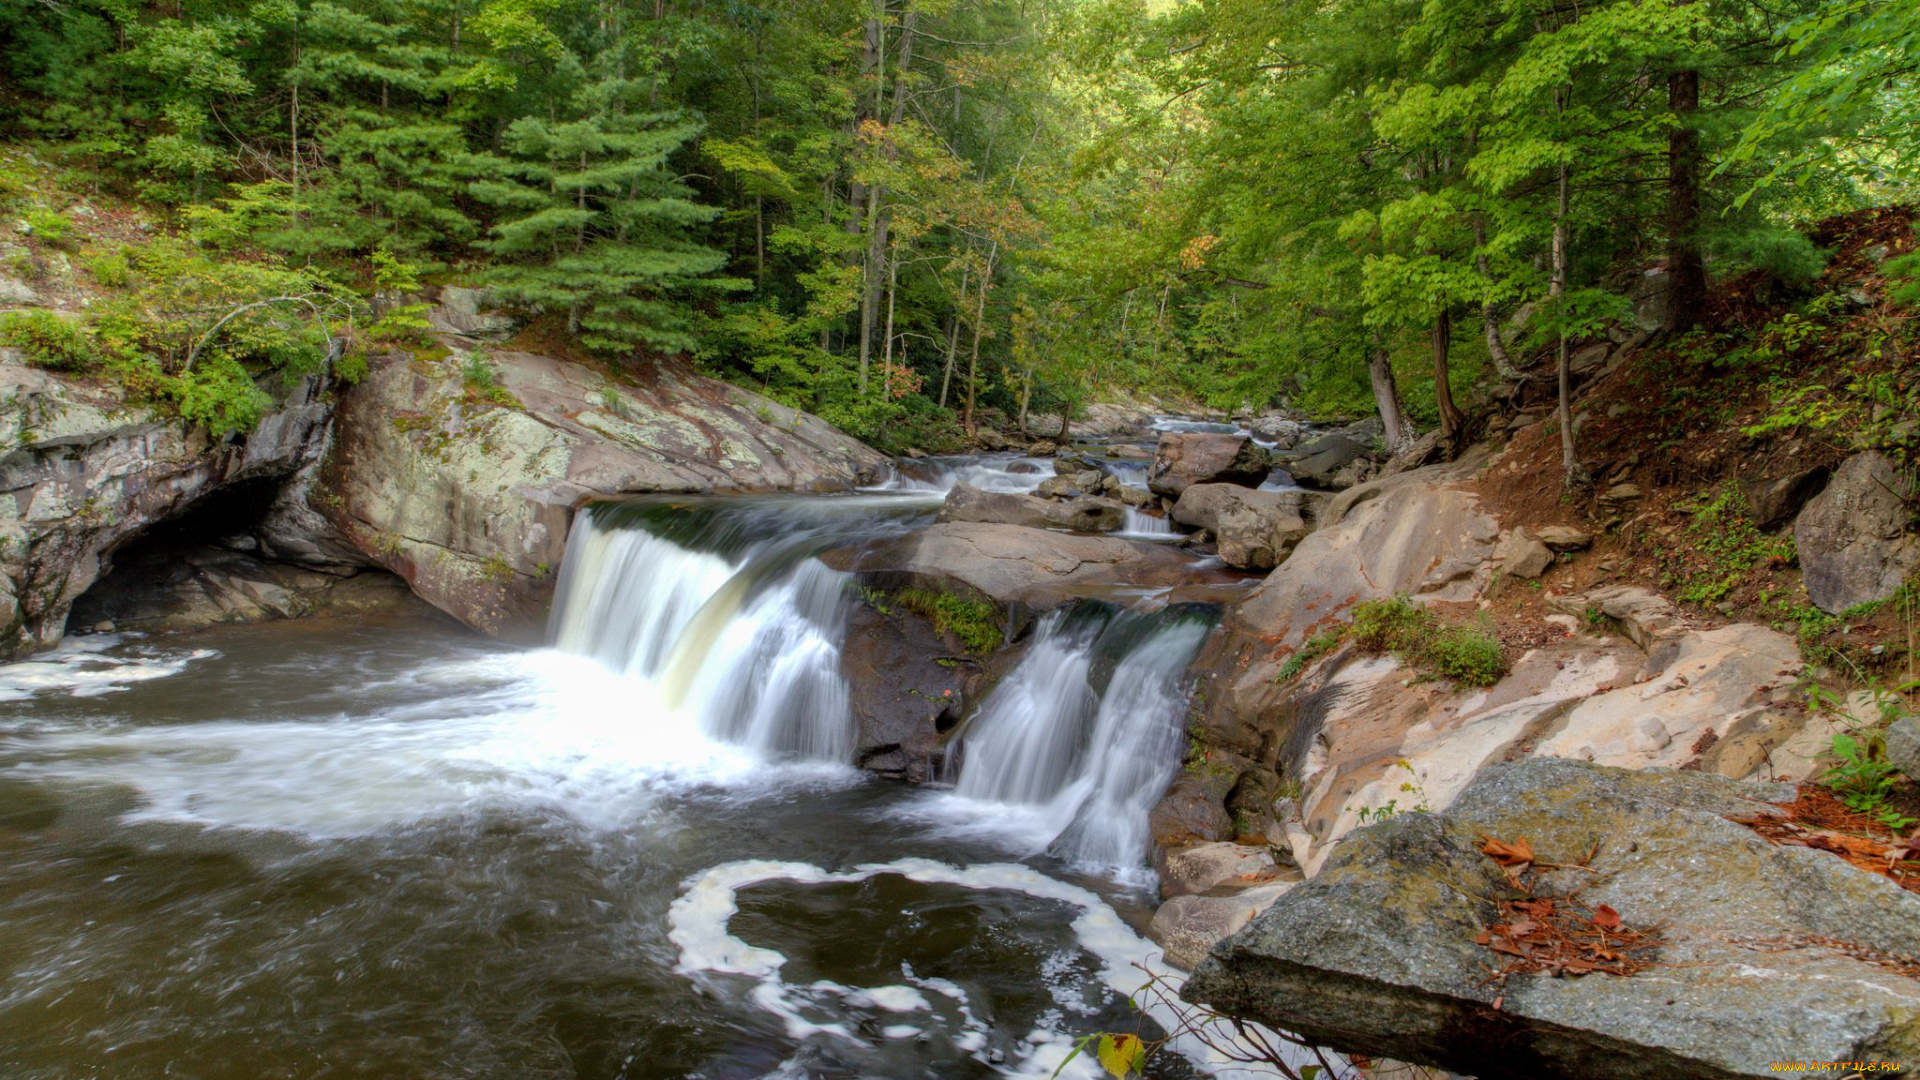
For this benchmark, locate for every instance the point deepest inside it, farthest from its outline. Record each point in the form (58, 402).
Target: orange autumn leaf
(1512, 856)
(1606, 918)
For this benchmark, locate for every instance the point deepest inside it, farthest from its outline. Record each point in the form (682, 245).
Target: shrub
(975, 622)
(49, 341)
(110, 269)
(220, 395)
(50, 226)
(1464, 654)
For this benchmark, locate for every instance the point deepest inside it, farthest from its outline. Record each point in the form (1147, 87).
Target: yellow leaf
(1122, 1055)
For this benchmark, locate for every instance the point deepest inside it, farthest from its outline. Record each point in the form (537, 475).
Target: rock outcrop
(1765, 953)
(86, 472)
(1085, 514)
(1022, 570)
(1254, 530)
(464, 482)
(1855, 540)
(902, 695)
(1331, 462)
(1184, 459)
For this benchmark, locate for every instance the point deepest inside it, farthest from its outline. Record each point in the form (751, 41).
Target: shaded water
(389, 849)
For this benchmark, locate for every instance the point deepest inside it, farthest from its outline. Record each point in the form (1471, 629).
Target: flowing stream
(387, 848)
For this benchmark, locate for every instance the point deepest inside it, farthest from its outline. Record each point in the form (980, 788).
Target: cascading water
(988, 472)
(1085, 732)
(740, 627)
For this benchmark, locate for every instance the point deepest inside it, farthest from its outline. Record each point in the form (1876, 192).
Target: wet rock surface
(1254, 530)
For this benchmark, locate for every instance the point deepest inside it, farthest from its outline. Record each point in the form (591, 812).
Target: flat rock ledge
(1768, 953)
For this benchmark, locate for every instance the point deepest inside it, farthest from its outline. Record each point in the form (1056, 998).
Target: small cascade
(1139, 523)
(720, 605)
(1086, 730)
(988, 472)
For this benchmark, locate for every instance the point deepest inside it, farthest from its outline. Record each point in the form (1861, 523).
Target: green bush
(975, 622)
(1464, 654)
(50, 227)
(110, 269)
(220, 395)
(49, 341)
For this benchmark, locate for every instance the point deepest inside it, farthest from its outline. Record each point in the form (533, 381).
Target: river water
(388, 848)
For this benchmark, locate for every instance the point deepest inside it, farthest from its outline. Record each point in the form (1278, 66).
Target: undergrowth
(1467, 655)
(975, 622)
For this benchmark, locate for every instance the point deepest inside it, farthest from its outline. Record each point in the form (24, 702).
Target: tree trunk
(979, 322)
(870, 281)
(1686, 266)
(1496, 345)
(1573, 475)
(1451, 418)
(953, 339)
(1386, 396)
(886, 366)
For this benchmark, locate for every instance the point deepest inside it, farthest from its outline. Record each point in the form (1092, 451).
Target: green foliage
(220, 396)
(1723, 547)
(1462, 654)
(51, 227)
(110, 269)
(47, 340)
(1310, 650)
(1862, 775)
(975, 622)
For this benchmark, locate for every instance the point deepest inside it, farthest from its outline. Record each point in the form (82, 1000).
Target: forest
(913, 217)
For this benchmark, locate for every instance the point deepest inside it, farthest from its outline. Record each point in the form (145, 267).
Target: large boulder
(86, 473)
(1087, 515)
(465, 482)
(1031, 570)
(902, 696)
(1421, 533)
(1765, 953)
(470, 313)
(1332, 462)
(1255, 530)
(1855, 540)
(1184, 459)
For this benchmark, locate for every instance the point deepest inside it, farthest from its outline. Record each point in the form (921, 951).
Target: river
(389, 848)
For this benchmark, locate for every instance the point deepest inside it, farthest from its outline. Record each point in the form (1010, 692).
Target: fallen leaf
(1606, 918)
(1122, 1055)
(1521, 928)
(1512, 856)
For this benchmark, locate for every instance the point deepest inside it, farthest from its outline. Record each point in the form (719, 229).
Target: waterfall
(722, 607)
(1086, 730)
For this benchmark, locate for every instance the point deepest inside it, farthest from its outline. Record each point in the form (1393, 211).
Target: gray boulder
(1184, 459)
(1284, 433)
(1255, 530)
(1087, 515)
(1202, 868)
(1522, 555)
(1187, 927)
(1854, 540)
(1773, 500)
(1333, 462)
(1903, 745)
(1766, 953)
(1031, 569)
(466, 313)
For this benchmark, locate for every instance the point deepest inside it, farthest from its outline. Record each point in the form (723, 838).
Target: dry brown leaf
(1606, 918)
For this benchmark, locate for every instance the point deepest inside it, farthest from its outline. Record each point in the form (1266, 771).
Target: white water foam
(699, 919)
(538, 730)
(85, 667)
